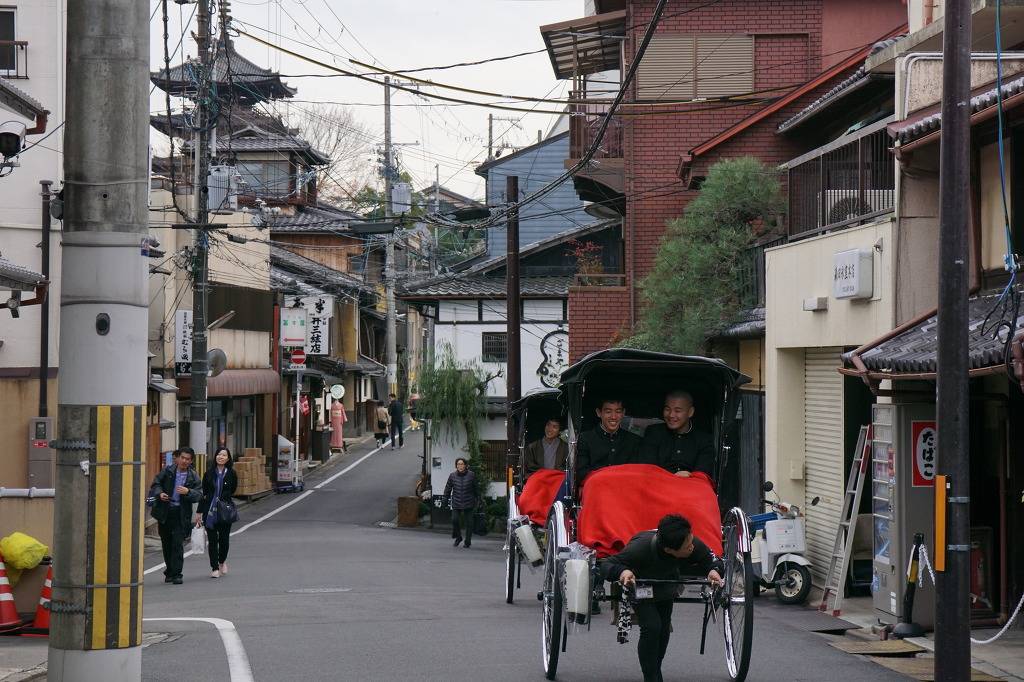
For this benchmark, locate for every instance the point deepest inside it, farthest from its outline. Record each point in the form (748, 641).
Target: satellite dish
(216, 360)
(338, 391)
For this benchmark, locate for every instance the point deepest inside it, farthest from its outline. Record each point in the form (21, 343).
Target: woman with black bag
(217, 510)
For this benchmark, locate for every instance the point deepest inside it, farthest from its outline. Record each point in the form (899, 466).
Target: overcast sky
(404, 34)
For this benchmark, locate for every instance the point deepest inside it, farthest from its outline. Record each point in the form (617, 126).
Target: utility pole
(490, 136)
(952, 588)
(513, 382)
(44, 307)
(99, 512)
(201, 245)
(391, 340)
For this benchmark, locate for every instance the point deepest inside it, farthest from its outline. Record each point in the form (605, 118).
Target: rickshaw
(529, 415)
(571, 578)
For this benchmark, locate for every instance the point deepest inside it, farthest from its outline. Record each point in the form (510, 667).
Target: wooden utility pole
(99, 507)
(952, 589)
(513, 381)
(391, 331)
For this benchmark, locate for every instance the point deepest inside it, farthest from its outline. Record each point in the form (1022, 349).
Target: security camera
(12, 138)
(13, 303)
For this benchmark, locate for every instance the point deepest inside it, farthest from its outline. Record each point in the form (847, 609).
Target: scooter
(777, 550)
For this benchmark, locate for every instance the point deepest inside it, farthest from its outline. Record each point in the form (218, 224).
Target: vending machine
(903, 457)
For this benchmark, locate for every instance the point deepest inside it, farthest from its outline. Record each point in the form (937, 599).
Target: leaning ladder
(835, 580)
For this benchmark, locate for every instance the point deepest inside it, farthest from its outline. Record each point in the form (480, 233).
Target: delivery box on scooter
(784, 535)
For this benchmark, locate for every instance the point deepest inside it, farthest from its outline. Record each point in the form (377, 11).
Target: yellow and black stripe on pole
(116, 519)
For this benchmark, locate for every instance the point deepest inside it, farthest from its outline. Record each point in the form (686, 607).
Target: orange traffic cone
(9, 619)
(41, 625)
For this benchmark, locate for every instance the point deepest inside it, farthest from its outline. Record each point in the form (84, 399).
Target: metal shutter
(725, 64)
(666, 71)
(823, 454)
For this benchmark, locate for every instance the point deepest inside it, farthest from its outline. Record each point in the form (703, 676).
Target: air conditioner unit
(842, 205)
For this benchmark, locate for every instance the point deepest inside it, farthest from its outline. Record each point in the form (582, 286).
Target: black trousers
(396, 431)
(655, 621)
(462, 518)
(172, 537)
(218, 540)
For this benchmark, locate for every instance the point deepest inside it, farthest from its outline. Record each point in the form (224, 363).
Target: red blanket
(539, 494)
(620, 501)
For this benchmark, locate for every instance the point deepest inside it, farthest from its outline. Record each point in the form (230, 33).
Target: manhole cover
(319, 590)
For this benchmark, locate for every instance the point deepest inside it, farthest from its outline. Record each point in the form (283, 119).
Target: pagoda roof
(251, 83)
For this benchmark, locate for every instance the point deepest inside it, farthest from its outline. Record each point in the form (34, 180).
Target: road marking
(284, 506)
(238, 662)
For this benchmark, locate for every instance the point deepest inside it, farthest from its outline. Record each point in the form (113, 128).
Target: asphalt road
(320, 591)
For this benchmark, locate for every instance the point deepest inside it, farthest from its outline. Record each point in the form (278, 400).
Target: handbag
(198, 540)
(221, 511)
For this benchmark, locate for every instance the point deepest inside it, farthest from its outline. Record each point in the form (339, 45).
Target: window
(8, 54)
(266, 178)
(688, 66)
(495, 347)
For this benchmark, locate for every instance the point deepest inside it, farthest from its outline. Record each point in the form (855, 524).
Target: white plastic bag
(198, 540)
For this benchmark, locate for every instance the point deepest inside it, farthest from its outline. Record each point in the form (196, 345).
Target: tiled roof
(542, 244)
(983, 101)
(244, 74)
(313, 273)
(914, 351)
(478, 286)
(17, 277)
(268, 142)
(750, 325)
(289, 283)
(314, 219)
(18, 100)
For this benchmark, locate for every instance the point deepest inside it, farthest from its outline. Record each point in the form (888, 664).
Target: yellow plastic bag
(22, 551)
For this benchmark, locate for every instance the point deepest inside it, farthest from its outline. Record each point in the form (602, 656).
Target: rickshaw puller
(667, 553)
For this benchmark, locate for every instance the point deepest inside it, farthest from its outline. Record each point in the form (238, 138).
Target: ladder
(835, 580)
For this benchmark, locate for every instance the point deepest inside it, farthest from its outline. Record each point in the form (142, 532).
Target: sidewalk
(1003, 658)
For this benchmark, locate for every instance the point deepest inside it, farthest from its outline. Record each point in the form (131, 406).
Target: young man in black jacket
(606, 444)
(173, 491)
(667, 553)
(676, 445)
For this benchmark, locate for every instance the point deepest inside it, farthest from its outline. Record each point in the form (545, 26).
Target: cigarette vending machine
(903, 458)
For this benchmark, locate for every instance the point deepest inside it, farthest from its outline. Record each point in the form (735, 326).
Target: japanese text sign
(923, 440)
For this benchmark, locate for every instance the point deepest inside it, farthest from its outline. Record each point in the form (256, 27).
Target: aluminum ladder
(835, 580)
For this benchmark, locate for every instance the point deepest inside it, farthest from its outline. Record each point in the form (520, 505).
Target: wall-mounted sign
(316, 306)
(318, 337)
(923, 439)
(555, 349)
(293, 327)
(853, 274)
(182, 342)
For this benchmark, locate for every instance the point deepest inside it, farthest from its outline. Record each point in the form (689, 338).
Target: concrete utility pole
(391, 340)
(952, 588)
(96, 625)
(200, 265)
(490, 136)
(513, 381)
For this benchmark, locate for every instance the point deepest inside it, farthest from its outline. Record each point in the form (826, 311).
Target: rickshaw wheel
(738, 597)
(552, 597)
(511, 555)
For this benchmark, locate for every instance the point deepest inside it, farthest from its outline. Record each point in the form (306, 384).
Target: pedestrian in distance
(668, 553)
(461, 494)
(173, 492)
(216, 511)
(383, 424)
(396, 411)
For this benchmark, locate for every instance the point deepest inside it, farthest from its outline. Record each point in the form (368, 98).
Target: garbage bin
(321, 445)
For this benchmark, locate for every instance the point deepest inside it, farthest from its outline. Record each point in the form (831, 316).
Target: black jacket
(164, 483)
(597, 448)
(533, 455)
(693, 451)
(646, 559)
(227, 489)
(396, 410)
(460, 490)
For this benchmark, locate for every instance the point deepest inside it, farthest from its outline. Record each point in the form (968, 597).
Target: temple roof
(251, 83)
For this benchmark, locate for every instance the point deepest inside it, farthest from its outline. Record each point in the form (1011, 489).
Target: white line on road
(284, 506)
(238, 662)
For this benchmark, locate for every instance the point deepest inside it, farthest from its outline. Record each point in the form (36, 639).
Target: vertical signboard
(182, 342)
(318, 337)
(293, 327)
(923, 435)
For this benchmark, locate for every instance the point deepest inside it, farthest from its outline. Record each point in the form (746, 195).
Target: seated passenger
(676, 445)
(548, 452)
(607, 444)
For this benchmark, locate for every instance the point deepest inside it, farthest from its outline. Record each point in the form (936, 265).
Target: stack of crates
(252, 479)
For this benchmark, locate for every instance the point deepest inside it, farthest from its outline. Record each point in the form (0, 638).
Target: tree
(692, 291)
(335, 132)
(369, 200)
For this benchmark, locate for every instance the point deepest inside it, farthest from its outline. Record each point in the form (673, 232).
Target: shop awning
(588, 45)
(910, 352)
(236, 382)
(157, 383)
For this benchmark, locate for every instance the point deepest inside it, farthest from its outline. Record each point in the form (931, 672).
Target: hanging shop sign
(293, 327)
(182, 342)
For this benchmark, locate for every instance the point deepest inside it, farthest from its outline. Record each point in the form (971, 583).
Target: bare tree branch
(334, 131)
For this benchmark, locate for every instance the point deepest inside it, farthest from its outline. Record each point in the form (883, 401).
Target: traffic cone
(41, 625)
(9, 619)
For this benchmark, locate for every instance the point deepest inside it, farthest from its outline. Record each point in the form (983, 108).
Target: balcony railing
(751, 283)
(13, 59)
(584, 122)
(847, 182)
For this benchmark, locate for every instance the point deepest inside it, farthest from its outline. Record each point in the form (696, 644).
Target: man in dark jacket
(667, 553)
(460, 492)
(676, 445)
(395, 411)
(548, 452)
(606, 444)
(173, 491)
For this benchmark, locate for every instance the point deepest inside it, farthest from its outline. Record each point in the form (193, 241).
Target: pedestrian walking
(173, 491)
(461, 494)
(396, 411)
(216, 511)
(383, 424)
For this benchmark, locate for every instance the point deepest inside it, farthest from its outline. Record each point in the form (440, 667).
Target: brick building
(716, 82)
